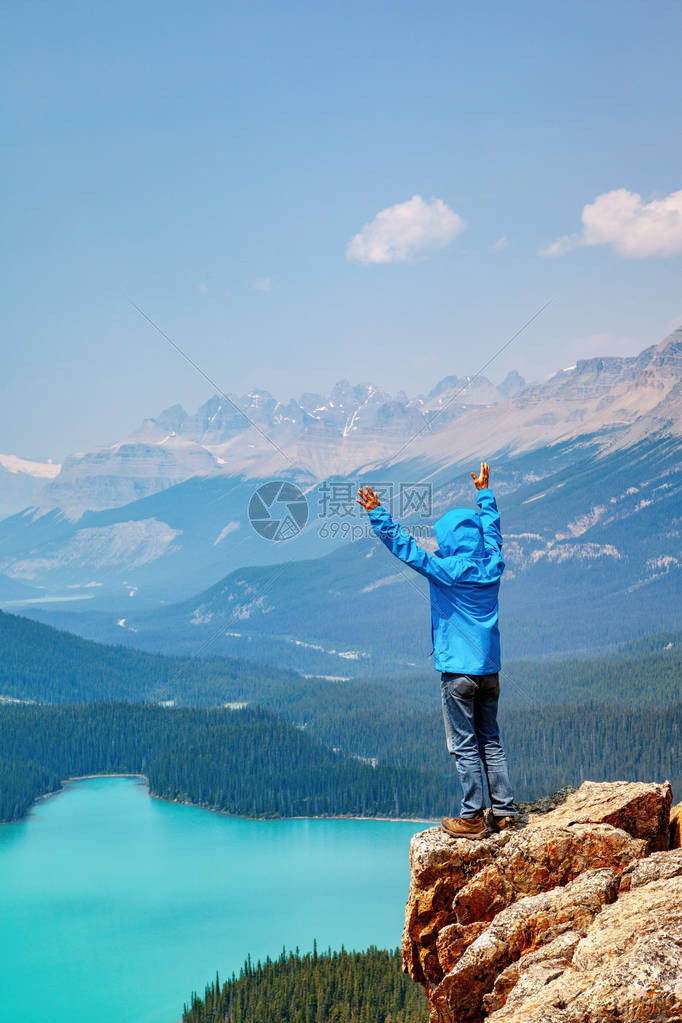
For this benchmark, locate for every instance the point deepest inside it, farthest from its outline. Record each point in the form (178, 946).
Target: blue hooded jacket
(464, 576)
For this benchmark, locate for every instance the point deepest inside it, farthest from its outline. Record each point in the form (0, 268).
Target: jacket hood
(459, 532)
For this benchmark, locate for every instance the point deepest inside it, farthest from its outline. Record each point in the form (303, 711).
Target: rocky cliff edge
(575, 918)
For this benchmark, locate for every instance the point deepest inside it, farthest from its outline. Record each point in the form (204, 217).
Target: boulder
(656, 867)
(530, 923)
(643, 810)
(626, 968)
(494, 927)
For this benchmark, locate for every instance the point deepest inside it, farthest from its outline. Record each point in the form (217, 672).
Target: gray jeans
(473, 736)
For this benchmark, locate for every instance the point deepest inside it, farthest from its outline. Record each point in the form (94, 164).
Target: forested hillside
(338, 987)
(253, 763)
(247, 761)
(39, 662)
(364, 747)
(45, 664)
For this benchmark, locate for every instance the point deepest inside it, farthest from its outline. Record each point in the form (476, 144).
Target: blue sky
(211, 163)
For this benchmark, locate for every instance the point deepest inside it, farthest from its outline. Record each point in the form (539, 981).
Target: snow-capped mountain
(125, 472)
(256, 435)
(22, 481)
(618, 400)
(169, 505)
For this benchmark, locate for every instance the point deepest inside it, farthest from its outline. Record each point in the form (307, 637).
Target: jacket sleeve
(490, 521)
(399, 542)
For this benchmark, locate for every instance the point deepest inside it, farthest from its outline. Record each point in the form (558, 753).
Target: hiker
(464, 576)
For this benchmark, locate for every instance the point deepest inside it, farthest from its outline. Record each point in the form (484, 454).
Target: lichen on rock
(540, 924)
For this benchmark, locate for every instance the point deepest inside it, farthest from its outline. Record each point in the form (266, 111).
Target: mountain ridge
(592, 552)
(183, 524)
(316, 436)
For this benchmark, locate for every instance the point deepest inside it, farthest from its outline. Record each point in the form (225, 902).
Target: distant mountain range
(593, 558)
(586, 468)
(255, 435)
(22, 482)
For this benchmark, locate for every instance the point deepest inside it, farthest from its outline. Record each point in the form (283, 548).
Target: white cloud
(635, 229)
(262, 284)
(565, 243)
(405, 232)
(501, 243)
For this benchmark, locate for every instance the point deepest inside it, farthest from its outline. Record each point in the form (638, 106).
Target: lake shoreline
(109, 896)
(215, 809)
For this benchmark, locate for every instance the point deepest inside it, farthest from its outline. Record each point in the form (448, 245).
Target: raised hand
(367, 498)
(480, 482)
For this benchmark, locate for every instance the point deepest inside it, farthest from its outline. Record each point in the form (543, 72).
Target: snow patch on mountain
(38, 470)
(247, 610)
(347, 655)
(582, 523)
(229, 528)
(576, 552)
(131, 543)
(662, 565)
(389, 580)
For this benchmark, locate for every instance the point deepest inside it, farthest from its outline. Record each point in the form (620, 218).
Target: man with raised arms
(464, 579)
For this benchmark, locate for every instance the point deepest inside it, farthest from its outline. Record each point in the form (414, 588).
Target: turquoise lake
(114, 906)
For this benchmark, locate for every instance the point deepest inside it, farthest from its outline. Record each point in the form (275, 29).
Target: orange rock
(533, 921)
(540, 858)
(626, 968)
(676, 826)
(532, 971)
(491, 923)
(457, 881)
(643, 810)
(656, 867)
(453, 941)
(439, 867)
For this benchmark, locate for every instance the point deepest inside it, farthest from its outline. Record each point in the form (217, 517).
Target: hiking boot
(465, 827)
